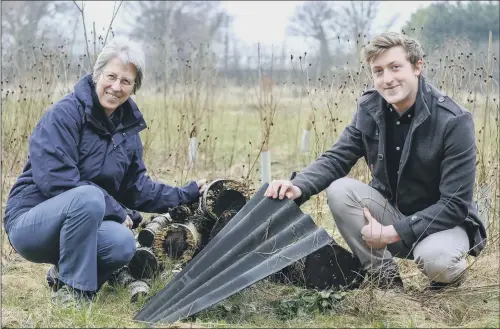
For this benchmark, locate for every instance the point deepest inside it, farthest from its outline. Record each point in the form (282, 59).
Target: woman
(84, 172)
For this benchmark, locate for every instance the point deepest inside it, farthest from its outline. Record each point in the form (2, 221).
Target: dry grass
(228, 130)
(26, 299)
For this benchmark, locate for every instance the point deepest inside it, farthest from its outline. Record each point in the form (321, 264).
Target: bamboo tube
(144, 264)
(193, 148)
(223, 194)
(265, 167)
(146, 236)
(306, 134)
(180, 243)
(136, 288)
(152, 231)
(181, 240)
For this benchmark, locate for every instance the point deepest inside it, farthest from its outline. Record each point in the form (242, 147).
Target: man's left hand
(377, 235)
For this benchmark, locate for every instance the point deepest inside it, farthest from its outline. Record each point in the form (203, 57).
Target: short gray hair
(128, 52)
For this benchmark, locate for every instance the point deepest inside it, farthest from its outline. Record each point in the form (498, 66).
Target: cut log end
(146, 237)
(144, 264)
(138, 289)
(228, 200)
(179, 243)
(175, 244)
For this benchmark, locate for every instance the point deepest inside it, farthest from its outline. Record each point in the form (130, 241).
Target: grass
(228, 130)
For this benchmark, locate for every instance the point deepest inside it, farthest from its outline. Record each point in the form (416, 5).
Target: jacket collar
(377, 106)
(83, 91)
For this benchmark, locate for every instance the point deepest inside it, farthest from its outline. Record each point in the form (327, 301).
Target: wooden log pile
(178, 235)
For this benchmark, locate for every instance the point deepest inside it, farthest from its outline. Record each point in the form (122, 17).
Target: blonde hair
(388, 40)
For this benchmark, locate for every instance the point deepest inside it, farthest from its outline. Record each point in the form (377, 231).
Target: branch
(85, 32)
(112, 19)
(391, 22)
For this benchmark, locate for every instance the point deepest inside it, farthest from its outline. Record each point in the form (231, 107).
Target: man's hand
(202, 185)
(377, 235)
(285, 187)
(128, 222)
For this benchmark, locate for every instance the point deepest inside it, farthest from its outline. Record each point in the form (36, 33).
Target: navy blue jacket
(71, 146)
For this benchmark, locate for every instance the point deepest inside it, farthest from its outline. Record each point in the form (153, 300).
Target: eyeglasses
(124, 82)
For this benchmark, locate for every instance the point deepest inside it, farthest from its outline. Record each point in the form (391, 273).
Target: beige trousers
(440, 256)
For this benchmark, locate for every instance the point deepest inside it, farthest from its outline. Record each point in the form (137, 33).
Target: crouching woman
(84, 173)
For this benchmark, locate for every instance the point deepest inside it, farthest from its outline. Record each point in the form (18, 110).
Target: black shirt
(397, 129)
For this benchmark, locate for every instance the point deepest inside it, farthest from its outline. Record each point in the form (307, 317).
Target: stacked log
(137, 288)
(178, 235)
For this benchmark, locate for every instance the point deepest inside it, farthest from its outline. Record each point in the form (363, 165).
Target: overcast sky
(262, 21)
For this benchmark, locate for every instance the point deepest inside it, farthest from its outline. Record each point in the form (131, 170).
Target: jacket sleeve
(458, 170)
(139, 192)
(134, 215)
(53, 152)
(333, 164)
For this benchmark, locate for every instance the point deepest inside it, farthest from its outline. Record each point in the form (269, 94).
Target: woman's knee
(89, 200)
(128, 248)
(120, 247)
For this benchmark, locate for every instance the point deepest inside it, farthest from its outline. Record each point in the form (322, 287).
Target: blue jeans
(68, 231)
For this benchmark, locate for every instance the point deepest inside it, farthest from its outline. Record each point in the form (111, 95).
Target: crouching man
(420, 147)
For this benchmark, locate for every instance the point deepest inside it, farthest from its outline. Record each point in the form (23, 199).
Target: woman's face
(115, 84)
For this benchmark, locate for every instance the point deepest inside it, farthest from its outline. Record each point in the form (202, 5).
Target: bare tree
(97, 43)
(198, 21)
(327, 21)
(356, 21)
(27, 22)
(314, 19)
(32, 33)
(168, 28)
(227, 41)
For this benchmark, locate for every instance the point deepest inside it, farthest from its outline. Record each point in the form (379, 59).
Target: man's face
(115, 84)
(395, 78)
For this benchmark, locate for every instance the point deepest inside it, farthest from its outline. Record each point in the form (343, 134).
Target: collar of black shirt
(406, 116)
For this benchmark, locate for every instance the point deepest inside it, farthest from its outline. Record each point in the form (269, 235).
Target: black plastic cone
(263, 238)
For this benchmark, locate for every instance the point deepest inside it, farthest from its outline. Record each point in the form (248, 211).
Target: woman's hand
(128, 222)
(202, 185)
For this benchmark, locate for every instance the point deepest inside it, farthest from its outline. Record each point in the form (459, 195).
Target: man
(420, 147)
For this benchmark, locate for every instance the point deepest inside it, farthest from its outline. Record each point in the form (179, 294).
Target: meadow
(234, 125)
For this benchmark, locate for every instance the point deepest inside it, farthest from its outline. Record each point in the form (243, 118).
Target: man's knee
(340, 194)
(440, 266)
